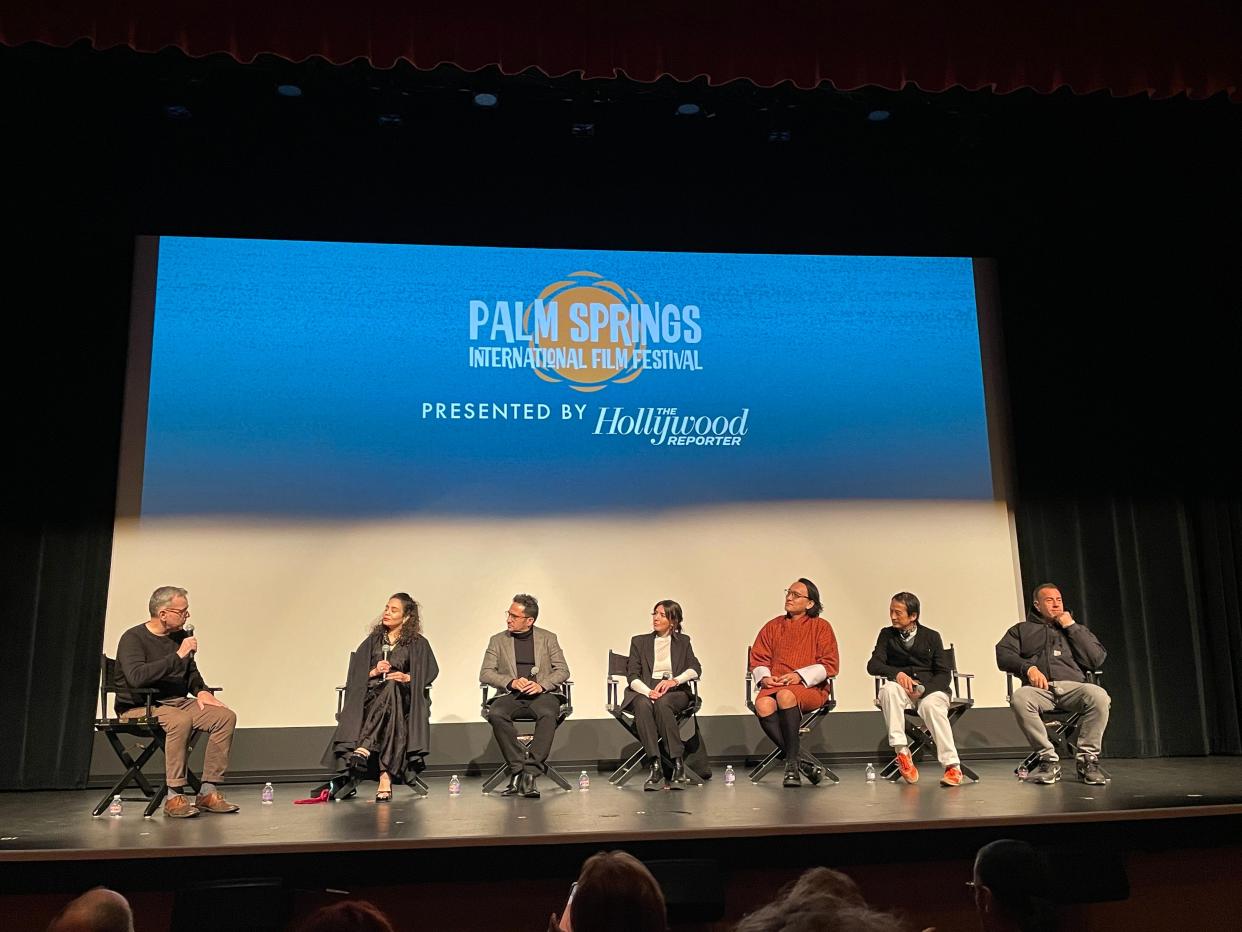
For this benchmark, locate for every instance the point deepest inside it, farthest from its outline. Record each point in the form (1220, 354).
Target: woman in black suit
(660, 665)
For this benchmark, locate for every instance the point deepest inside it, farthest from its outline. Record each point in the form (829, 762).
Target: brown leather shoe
(215, 802)
(179, 807)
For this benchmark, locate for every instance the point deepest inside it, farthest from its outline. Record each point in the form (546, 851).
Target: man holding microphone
(159, 654)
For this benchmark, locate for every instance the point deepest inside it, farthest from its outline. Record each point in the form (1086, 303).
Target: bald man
(98, 910)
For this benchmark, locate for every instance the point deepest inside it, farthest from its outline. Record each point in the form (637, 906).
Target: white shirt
(663, 664)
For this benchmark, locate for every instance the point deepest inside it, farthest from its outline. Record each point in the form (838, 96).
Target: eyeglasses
(183, 612)
(515, 617)
(795, 594)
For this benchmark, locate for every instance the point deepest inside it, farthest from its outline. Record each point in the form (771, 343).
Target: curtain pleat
(1142, 47)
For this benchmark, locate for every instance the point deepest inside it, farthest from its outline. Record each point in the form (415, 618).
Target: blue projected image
(341, 379)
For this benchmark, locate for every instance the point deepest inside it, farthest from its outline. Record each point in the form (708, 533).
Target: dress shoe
(678, 780)
(655, 781)
(512, 789)
(179, 807)
(215, 802)
(529, 789)
(793, 778)
(813, 772)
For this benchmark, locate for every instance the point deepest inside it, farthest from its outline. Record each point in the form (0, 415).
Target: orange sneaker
(952, 776)
(905, 763)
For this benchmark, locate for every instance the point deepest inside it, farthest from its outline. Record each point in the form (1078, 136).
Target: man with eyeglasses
(159, 654)
(526, 665)
(793, 660)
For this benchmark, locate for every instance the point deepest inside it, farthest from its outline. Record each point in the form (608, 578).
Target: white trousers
(933, 708)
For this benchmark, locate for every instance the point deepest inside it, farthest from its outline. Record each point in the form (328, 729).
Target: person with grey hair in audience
(98, 910)
(159, 654)
(819, 900)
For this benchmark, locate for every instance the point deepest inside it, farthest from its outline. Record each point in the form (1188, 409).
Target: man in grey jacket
(1051, 654)
(527, 666)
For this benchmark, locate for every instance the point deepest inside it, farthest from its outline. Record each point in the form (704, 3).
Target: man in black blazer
(912, 658)
(660, 665)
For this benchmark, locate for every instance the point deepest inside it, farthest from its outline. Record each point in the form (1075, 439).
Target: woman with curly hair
(384, 725)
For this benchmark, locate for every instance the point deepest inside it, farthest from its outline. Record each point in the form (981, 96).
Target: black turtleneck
(524, 652)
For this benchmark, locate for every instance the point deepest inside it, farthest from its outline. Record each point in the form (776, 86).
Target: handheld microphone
(189, 632)
(387, 649)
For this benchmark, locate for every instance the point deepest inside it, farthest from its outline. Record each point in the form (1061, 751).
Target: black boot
(792, 777)
(527, 786)
(655, 781)
(679, 779)
(512, 788)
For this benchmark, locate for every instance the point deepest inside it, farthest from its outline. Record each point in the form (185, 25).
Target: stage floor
(51, 826)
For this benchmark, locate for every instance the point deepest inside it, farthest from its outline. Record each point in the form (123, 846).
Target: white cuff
(813, 675)
(759, 673)
(685, 676)
(640, 687)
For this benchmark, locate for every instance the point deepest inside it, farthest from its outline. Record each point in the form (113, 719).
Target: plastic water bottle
(268, 794)
(454, 786)
(730, 777)
(871, 773)
(116, 807)
(584, 781)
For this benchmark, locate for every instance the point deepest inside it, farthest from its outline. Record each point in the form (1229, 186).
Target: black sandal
(357, 763)
(383, 796)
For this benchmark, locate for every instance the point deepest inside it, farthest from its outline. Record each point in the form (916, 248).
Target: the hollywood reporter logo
(668, 427)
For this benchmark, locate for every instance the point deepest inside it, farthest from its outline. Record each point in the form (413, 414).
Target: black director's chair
(146, 727)
(919, 734)
(618, 665)
(814, 769)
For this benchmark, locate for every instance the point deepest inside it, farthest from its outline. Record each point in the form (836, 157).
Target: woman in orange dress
(792, 659)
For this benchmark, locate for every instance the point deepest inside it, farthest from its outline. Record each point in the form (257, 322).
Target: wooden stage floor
(57, 826)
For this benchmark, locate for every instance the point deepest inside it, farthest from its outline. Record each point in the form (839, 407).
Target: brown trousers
(180, 718)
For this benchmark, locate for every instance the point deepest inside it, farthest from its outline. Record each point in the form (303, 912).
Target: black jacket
(642, 659)
(1030, 643)
(924, 659)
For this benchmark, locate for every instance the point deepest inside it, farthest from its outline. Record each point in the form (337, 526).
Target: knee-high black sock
(790, 720)
(772, 728)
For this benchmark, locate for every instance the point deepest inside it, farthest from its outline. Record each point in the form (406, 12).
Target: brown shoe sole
(186, 812)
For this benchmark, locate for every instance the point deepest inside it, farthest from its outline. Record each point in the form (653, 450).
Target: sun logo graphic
(597, 338)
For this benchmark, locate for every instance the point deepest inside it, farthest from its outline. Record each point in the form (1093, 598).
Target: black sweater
(924, 659)
(149, 661)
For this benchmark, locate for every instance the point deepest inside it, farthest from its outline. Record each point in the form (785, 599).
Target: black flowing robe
(415, 658)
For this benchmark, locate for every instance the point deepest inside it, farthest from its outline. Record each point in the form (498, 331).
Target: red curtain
(1141, 46)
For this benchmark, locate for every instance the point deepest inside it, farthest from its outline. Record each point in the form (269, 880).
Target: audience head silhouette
(615, 893)
(347, 916)
(1012, 884)
(98, 910)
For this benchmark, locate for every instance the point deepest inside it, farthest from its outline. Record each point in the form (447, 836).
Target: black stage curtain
(1122, 369)
(65, 366)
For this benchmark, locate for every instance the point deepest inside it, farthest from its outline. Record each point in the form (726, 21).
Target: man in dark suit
(526, 664)
(913, 661)
(660, 665)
